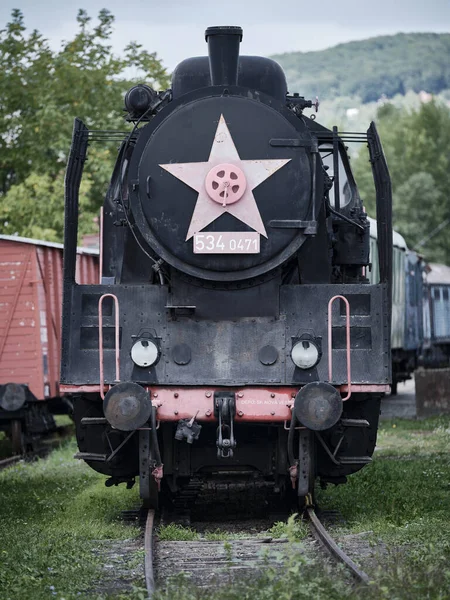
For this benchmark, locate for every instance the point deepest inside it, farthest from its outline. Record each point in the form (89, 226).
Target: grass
(294, 529)
(403, 497)
(400, 437)
(55, 513)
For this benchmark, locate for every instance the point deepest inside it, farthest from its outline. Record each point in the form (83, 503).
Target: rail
(324, 537)
(148, 546)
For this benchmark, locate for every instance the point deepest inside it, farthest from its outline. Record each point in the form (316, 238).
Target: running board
(93, 421)
(350, 423)
(355, 460)
(90, 456)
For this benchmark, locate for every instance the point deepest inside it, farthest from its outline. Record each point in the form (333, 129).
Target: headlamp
(144, 353)
(305, 354)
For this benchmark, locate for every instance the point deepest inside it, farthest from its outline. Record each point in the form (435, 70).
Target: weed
(294, 529)
(176, 533)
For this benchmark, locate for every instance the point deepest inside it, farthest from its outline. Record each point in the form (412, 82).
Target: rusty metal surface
(432, 392)
(127, 406)
(252, 404)
(30, 311)
(318, 406)
(12, 396)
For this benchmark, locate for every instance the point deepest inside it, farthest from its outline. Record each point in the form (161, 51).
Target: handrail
(100, 340)
(330, 343)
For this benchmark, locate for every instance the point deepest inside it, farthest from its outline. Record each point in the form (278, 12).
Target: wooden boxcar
(30, 329)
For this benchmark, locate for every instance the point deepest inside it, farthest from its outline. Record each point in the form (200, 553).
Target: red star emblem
(225, 183)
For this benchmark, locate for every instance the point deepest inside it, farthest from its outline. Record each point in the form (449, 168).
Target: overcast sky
(175, 28)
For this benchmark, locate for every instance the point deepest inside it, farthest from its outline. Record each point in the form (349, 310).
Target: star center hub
(225, 184)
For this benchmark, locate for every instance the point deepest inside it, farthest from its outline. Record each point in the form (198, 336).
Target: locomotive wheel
(17, 437)
(306, 469)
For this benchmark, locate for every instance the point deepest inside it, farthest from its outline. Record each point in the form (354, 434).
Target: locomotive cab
(234, 336)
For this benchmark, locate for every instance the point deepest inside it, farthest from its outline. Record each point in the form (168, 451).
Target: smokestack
(223, 49)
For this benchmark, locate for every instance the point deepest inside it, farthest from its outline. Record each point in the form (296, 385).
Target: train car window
(437, 293)
(445, 294)
(397, 275)
(412, 288)
(345, 190)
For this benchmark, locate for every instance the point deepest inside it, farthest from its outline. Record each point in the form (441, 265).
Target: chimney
(223, 50)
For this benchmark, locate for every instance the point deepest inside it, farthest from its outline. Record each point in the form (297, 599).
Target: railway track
(249, 549)
(322, 535)
(10, 461)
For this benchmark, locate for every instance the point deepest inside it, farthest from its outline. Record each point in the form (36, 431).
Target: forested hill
(386, 65)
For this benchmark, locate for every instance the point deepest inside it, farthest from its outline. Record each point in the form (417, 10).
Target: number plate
(226, 242)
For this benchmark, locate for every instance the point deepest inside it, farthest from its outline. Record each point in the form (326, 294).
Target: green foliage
(370, 68)
(52, 515)
(176, 533)
(416, 145)
(293, 529)
(404, 502)
(41, 92)
(55, 515)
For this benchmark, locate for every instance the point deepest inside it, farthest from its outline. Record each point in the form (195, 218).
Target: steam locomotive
(234, 337)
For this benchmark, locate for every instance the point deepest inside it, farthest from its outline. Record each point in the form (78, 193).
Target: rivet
(155, 395)
(272, 395)
(175, 412)
(208, 394)
(272, 412)
(240, 395)
(240, 413)
(176, 394)
(293, 395)
(208, 413)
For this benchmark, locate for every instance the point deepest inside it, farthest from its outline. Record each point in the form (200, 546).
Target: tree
(369, 68)
(416, 145)
(41, 92)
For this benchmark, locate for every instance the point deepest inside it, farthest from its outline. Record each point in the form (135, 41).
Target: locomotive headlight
(305, 354)
(144, 353)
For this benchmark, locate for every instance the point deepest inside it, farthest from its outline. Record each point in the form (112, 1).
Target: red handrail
(100, 340)
(330, 343)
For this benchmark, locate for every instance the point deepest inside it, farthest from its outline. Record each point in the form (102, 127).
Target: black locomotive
(234, 336)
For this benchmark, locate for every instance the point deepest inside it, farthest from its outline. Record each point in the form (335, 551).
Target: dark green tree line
(367, 69)
(41, 91)
(417, 148)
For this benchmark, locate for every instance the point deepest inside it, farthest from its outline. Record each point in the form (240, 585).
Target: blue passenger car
(407, 299)
(436, 316)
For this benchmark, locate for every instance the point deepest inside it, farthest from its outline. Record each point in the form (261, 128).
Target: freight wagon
(30, 333)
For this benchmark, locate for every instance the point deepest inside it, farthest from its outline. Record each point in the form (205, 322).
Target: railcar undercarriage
(189, 456)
